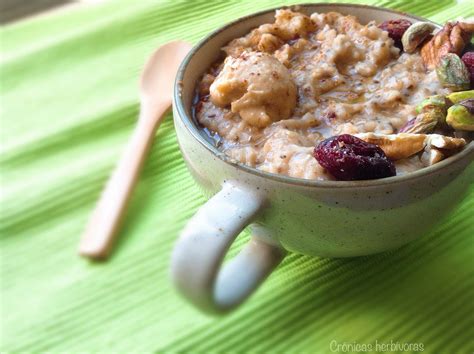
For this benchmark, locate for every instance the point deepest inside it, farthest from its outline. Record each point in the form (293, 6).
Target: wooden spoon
(156, 92)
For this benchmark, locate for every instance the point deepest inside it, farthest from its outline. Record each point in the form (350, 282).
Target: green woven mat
(68, 105)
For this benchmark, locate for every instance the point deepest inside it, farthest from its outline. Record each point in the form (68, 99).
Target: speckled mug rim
(196, 133)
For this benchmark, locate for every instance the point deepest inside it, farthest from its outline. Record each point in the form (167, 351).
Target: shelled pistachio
(436, 102)
(461, 115)
(431, 112)
(453, 73)
(455, 97)
(415, 35)
(424, 122)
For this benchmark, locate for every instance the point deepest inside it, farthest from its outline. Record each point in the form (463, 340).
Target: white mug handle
(203, 244)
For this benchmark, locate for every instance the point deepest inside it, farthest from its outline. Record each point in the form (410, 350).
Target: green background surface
(68, 105)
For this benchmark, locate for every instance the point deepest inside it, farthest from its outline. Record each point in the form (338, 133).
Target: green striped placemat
(68, 105)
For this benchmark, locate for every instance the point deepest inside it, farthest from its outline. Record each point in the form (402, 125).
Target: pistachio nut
(452, 73)
(455, 97)
(430, 111)
(424, 122)
(432, 102)
(469, 104)
(461, 115)
(408, 125)
(403, 145)
(415, 35)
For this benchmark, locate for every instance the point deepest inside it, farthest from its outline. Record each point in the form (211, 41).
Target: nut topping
(431, 112)
(452, 72)
(444, 142)
(467, 25)
(431, 156)
(423, 123)
(436, 102)
(396, 146)
(452, 38)
(415, 35)
(461, 115)
(456, 97)
(403, 145)
(293, 96)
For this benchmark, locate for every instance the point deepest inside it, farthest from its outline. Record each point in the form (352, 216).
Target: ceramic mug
(315, 218)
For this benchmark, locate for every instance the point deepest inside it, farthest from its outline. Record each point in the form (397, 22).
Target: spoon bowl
(157, 78)
(156, 92)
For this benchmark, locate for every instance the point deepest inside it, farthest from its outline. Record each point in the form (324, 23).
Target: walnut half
(396, 146)
(403, 145)
(452, 38)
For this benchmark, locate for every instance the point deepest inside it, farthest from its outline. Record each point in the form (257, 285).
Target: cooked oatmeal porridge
(287, 86)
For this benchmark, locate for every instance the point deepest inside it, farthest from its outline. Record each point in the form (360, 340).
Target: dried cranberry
(468, 59)
(347, 158)
(395, 29)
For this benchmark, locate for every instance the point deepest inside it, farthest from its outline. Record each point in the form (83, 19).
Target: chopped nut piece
(432, 102)
(450, 39)
(455, 97)
(396, 146)
(424, 122)
(461, 115)
(431, 156)
(453, 73)
(444, 142)
(467, 25)
(403, 145)
(431, 112)
(415, 35)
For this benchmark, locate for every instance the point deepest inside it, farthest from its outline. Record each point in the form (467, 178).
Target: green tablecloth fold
(68, 105)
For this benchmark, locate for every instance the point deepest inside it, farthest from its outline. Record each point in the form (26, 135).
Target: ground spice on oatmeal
(286, 86)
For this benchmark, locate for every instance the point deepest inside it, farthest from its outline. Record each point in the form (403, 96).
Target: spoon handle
(97, 240)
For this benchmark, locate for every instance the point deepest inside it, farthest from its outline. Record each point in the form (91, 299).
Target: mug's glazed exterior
(316, 218)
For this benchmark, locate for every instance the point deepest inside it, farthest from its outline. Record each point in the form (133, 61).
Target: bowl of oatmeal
(330, 130)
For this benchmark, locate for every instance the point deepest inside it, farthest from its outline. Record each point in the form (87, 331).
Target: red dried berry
(348, 158)
(395, 29)
(468, 60)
